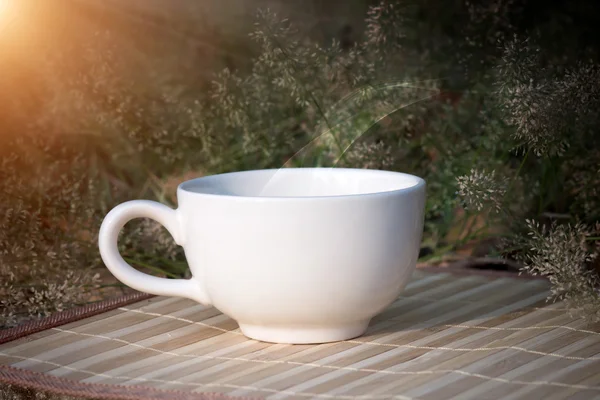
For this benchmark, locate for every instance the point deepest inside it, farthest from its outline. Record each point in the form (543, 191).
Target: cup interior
(302, 182)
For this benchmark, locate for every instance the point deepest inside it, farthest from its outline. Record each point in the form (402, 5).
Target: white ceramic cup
(306, 255)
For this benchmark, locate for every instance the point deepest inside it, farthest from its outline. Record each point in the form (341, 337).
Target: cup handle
(115, 220)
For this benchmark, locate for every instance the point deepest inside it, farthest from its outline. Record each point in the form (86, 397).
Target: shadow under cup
(306, 255)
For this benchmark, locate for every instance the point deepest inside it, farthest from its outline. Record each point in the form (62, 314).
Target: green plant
(565, 254)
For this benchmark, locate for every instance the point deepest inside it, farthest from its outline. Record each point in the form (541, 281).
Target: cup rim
(419, 185)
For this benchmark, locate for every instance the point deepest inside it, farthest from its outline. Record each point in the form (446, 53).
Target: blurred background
(495, 103)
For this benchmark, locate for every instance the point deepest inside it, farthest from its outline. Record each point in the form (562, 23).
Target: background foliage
(494, 103)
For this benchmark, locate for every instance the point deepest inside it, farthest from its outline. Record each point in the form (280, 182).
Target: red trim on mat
(68, 387)
(480, 272)
(468, 266)
(64, 317)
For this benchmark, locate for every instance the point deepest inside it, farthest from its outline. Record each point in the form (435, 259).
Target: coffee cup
(294, 255)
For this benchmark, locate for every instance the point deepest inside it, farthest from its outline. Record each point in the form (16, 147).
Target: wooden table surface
(448, 336)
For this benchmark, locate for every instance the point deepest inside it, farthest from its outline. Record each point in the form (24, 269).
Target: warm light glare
(5, 9)
(8, 17)
(8, 8)
(4, 6)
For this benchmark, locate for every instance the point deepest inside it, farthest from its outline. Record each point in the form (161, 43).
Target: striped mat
(447, 336)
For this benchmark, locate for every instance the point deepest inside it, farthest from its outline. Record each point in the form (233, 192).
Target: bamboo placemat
(448, 336)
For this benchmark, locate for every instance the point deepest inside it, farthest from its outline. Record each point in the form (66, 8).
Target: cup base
(297, 335)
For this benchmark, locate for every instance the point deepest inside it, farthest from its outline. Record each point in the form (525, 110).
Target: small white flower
(479, 190)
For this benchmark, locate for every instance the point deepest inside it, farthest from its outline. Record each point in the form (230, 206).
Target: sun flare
(4, 5)
(10, 13)
(5, 9)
